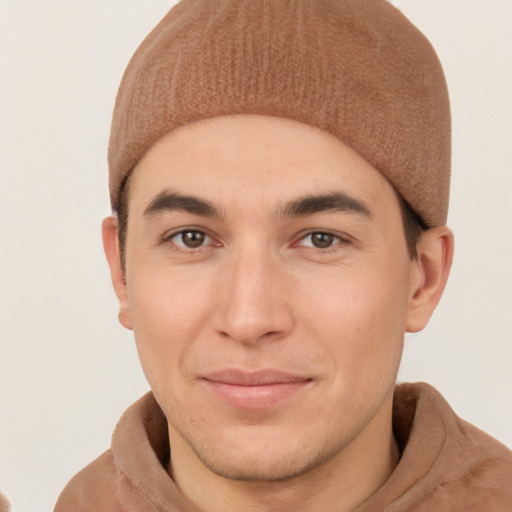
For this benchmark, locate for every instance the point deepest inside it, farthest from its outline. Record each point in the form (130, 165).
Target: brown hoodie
(446, 465)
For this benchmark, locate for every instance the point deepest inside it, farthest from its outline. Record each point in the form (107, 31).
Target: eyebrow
(172, 201)
(334, 201)
(307, 205)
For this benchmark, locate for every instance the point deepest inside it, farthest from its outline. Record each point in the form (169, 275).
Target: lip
(260, 389)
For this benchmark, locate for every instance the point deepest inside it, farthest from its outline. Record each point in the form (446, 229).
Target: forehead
(246, 160)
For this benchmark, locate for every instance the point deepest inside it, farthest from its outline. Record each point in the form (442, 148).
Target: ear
(435, 254)
(110, 232)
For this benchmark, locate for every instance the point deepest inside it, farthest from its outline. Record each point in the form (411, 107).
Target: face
(269, 286)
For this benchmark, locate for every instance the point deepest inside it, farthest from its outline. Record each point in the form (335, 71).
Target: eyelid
(340, 239)
(176, 235)
(167, 238)
(308, 235)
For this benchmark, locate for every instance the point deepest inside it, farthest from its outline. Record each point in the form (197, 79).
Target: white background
(67, 369)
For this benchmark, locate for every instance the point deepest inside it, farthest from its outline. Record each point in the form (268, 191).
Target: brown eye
(322, 240)
(190, 239)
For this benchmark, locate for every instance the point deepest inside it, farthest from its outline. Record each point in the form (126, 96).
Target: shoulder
(479, 472)
(456, 463)
(102, 486)
(124, 478)
(91, 487)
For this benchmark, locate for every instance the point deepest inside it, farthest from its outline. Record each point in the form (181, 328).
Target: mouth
(255, 390)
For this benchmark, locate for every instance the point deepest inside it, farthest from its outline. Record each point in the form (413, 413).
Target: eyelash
(168, 239)
(337, 240)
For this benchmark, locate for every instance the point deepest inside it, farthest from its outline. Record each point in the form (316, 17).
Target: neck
(338, 485)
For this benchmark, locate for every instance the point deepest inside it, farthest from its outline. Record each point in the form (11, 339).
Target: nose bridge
(253, 303)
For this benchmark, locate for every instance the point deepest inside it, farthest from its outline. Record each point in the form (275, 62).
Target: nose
(253, 305)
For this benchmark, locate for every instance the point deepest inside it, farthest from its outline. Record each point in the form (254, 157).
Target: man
(279, 173)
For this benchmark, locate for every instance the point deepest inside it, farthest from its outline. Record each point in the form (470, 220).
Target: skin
(324, 295)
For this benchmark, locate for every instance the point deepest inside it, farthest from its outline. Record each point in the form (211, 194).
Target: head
(281, 223)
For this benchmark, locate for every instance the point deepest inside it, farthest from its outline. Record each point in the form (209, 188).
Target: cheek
(168, 310)
(361, 323)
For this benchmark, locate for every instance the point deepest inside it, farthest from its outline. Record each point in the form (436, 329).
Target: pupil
(193, 239)
(322, 240)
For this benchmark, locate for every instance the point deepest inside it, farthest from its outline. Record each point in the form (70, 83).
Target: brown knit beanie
(357, 69)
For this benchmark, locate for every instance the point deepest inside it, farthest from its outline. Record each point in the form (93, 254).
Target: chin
(264, 460)
(250, 470)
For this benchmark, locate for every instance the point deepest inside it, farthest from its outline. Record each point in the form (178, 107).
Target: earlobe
(112, 252)
(435, 254)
